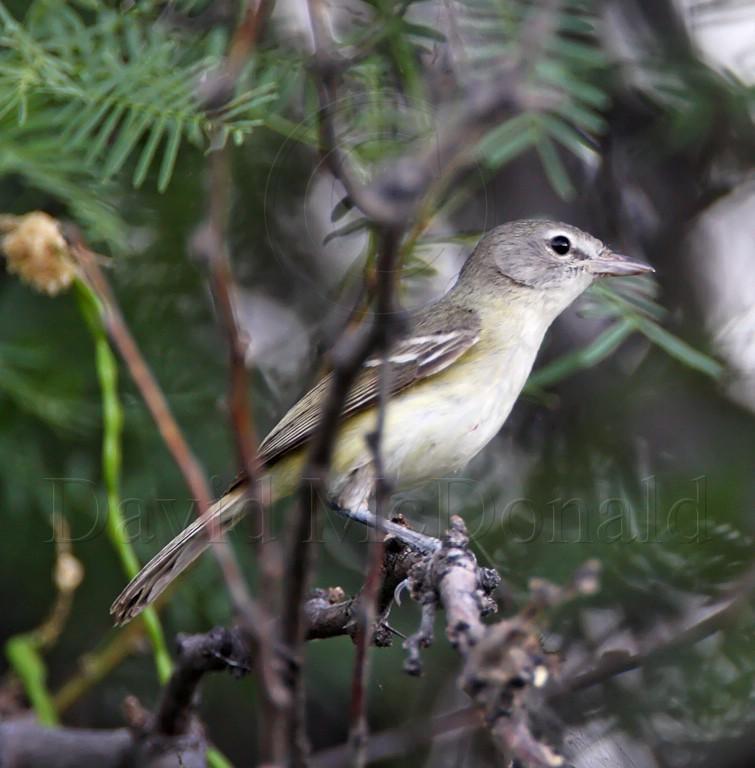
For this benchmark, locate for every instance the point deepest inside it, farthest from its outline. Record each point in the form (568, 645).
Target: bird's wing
(434, 344)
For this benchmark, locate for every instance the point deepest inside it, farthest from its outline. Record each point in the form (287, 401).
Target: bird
(455, 374)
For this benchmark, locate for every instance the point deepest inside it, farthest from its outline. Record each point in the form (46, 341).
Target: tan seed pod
(36, 251)
(69, 572)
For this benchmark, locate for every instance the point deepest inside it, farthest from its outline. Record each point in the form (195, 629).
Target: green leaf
(582, 53)
(554, 168)
(583, 116)
(565, 134)
(358, 225)
(23, 108)
(341, 208)
(629, 296)
(420, 30)
(507, 141)
(575, 87)
(111, 79)
(587, 357)
(169, 158)
(24, 657)
(148, 153)
(128, 136)
(90, 117)
(570, 22)
(679, 349)
(104, 134)
(248, 101)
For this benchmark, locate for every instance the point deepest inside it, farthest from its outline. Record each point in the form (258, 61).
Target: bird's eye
(561, 244)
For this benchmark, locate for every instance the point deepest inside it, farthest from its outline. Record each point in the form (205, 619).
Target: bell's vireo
(454, 378)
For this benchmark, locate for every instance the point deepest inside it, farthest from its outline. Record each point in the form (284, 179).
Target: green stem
(23, 655)
(216, 759)
(107, 373)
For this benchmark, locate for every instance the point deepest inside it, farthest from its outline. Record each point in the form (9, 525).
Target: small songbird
(454, 378)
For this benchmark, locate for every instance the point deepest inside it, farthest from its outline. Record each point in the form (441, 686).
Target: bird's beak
(610, 264)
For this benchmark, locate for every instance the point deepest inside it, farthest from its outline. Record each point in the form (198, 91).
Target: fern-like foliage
(32, 152)
(626, 306)
(107, 87)
(543, 49)
(551, 49)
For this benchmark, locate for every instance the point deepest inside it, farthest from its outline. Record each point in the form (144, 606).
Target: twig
(393, 196)
(217, 650)
(96, 665)
(327, 616)
(248, 34)
(209, 241)
(327, 68)
(422, 638)
(118, 331)
(348, 358)
(687, 631)
(419, 541)
(398, 742)
(25, 651)
(217, 90)
(172, 732)
(366, 624)
(24, 742)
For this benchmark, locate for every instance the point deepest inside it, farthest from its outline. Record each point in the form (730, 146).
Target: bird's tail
(174, 558)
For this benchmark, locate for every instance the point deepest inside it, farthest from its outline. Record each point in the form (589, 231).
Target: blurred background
(634, 442)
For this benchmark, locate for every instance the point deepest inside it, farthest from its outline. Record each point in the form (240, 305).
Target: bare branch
(209, 241)
(368, 605)
(25, 742)
(399, 742)
(172, 737)
(687, 630)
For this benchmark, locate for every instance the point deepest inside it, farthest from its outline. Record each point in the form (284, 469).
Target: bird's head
(555, 259)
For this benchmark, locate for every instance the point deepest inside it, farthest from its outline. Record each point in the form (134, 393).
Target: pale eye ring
(561, 244)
